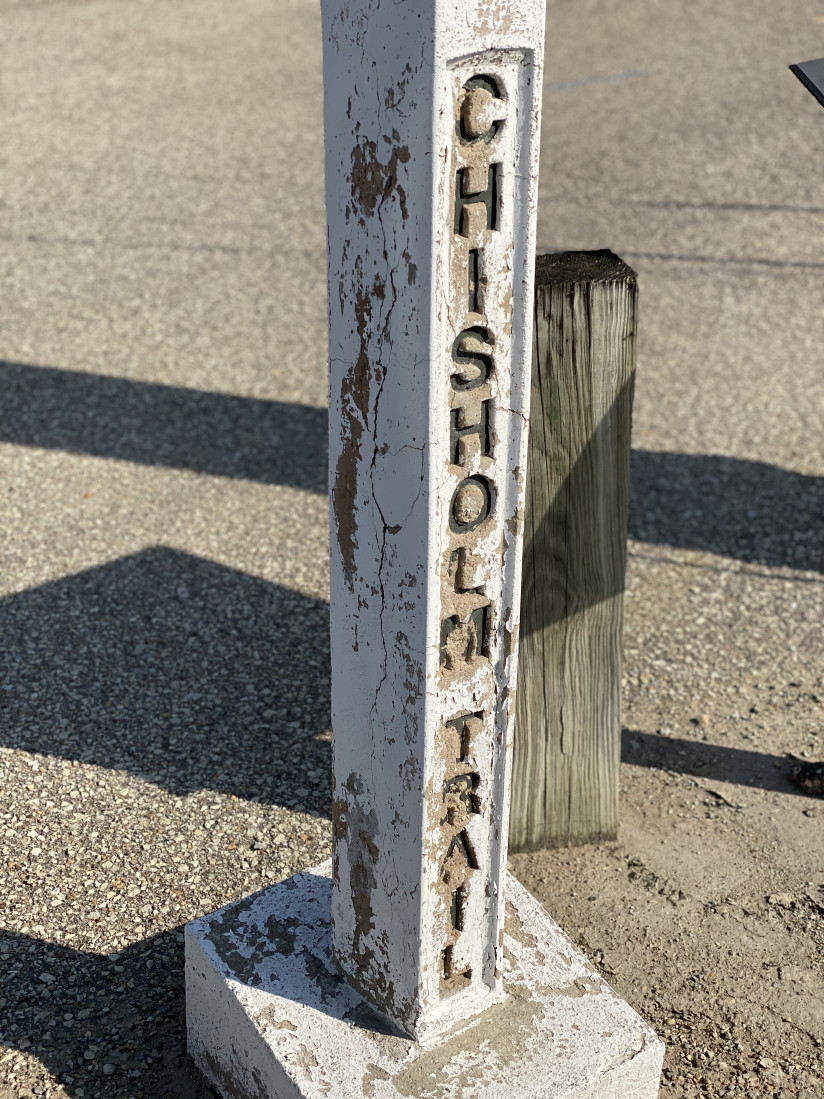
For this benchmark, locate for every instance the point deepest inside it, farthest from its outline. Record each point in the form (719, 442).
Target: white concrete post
(431, 179)
(431, 128)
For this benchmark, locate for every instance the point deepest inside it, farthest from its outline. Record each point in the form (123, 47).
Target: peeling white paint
(269, 1018)
(427, 104)
(397, 977)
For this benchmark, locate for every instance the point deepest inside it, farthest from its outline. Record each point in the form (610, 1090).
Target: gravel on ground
(164, 656)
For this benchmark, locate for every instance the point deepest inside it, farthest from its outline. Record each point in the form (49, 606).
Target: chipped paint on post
(268, 1017)
(431, 119)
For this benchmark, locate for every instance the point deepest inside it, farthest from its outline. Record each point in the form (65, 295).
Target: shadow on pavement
(746, 510)
(92, 1017)
(709, 761)
(184, 672)
(161, 425)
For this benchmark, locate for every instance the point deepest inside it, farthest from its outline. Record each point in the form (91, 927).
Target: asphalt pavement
(164, 722)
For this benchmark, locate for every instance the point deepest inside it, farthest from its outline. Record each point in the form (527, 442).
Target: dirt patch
(707, 915)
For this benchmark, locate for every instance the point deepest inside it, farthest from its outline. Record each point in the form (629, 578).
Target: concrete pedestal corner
(269, 1018)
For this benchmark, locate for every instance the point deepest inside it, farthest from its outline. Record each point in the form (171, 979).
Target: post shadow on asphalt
(176, 669)
(100, 993)
(137, 992)
(272, 442)
(745, 510)
(194, 676)
(198, 676)
(749, 511)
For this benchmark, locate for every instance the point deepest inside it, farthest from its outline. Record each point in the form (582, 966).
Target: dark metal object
(810, 778)
(811, 75)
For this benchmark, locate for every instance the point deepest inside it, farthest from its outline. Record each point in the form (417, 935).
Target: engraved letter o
(471, 504)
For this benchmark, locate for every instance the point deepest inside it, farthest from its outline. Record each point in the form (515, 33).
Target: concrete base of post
(268, 1017)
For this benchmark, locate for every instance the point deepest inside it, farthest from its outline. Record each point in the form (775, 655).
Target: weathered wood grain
(567, 728)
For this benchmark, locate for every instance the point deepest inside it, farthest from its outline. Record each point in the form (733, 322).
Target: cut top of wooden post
(577, 267)
(431, 122)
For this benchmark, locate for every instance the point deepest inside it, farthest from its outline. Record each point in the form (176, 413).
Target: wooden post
(568, 721)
